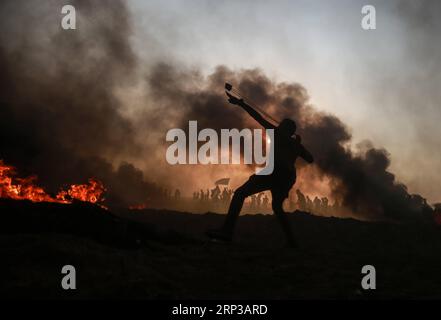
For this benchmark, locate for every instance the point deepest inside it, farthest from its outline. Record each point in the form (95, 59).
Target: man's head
(288, 127)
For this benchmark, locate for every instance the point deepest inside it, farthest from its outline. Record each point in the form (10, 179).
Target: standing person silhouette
(286, 150)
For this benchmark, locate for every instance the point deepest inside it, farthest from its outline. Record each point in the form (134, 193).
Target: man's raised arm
(253, 113)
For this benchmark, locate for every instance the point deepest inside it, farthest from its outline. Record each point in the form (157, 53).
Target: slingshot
(229, 88)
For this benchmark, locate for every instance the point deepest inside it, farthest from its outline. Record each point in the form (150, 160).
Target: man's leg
(277, 205)
(255, 184)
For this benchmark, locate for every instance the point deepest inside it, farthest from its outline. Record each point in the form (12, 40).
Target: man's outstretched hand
(233, 100)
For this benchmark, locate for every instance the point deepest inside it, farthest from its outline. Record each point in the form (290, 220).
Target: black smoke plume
(59, 116)
(360, 178)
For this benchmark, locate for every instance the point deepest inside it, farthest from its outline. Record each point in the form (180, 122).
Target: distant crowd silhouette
(217, 199)
(215, 194)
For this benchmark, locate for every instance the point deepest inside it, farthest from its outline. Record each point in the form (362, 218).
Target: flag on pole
(224, 181)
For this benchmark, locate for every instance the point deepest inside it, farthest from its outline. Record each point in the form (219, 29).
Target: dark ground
(154, 254)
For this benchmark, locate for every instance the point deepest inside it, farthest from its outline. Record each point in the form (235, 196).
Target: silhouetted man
(286, 150)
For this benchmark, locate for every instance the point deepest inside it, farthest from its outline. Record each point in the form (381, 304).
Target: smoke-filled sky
(384, 83)
(98, 101)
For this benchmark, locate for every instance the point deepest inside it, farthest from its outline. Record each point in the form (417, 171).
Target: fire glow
(12, 187)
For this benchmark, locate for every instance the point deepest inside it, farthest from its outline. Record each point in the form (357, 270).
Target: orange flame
(25, 189)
